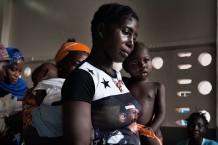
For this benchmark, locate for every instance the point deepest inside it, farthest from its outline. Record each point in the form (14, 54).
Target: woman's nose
(130, 43)
(195, 127)
(17, 74)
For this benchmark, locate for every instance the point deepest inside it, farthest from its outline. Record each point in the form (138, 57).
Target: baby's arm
(159, 108)
(40, 95)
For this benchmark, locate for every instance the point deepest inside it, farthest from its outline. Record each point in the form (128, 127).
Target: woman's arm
(76, 122)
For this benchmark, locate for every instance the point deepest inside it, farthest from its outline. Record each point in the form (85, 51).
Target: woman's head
(69, 56)
(197, 125)
(114, 29)
(110, 14)
(15, 67)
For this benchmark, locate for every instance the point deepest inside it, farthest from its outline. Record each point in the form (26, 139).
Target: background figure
(44, 71)
(13, 82)
(197, 125)
(32, 100)
(46, 118)
(94, 92)
(151, 95)
(69, 56)
(14, 87)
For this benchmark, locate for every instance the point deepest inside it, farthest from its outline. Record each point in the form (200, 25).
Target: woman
(13, 88)
(94, 92)
(67, 58)
(197, 125)
(13, 82)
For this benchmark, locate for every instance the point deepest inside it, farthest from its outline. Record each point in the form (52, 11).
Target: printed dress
(114, 110)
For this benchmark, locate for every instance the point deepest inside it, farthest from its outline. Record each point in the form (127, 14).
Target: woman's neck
(101, 62)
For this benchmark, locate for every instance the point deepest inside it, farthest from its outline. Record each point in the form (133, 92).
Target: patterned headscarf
(14, 54)
(68, 47)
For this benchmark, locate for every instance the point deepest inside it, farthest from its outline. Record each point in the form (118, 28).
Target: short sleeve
(79, 86)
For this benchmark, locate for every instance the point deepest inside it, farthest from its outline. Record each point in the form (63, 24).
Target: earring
(100, 35)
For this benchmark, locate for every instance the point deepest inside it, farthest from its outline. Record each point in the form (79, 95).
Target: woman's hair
(71, 40)
(110, 14)
(197, 115)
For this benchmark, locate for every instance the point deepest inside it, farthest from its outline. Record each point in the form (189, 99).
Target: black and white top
(110, 103)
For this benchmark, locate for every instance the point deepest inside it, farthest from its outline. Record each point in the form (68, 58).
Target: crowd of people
(81, 99)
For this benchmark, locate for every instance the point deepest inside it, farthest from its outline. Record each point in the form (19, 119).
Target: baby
(46, 118)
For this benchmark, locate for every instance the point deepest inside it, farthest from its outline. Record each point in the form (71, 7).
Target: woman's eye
(135, 63)
(13, 69)
(75, 63)
(126, 31)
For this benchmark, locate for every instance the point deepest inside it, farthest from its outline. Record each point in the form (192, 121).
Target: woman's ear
(100, 29)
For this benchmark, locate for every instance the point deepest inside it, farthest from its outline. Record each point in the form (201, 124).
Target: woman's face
(197, 128)
(14, 71)
(72, 60)
(118, 39)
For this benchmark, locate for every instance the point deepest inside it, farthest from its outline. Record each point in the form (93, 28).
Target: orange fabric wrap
(68, 47)
(145, 132)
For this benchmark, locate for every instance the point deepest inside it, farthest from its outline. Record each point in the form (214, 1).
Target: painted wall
(39, 27)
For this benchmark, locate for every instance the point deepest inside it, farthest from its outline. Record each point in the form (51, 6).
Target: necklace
(118, 83)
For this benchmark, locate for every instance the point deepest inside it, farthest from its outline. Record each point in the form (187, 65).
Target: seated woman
(13, 89)
(197, 125)
(13, 83)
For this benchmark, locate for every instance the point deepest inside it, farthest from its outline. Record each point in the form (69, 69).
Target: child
(47, 118)
(42, 72)
(151, 95)
(197, 125)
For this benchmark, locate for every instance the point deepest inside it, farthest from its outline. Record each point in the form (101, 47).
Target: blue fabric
(205, 142)
(47, 125)
(17, 89)
(14, 54)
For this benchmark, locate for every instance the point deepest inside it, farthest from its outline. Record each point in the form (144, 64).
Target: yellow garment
(68, 47)
(145, 132)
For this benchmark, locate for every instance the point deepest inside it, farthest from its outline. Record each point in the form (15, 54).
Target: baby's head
(138, 63)
(43, 72)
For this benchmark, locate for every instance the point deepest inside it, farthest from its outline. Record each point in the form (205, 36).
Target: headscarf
(3, 53)
(68, 47)
(17, 89)
(14, 54)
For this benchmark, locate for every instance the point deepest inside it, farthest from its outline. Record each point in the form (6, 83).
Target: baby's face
(139, 64)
